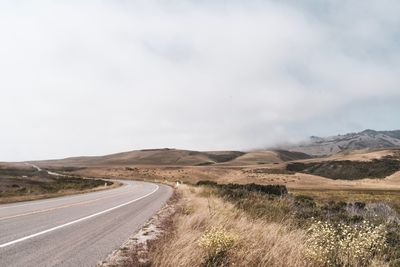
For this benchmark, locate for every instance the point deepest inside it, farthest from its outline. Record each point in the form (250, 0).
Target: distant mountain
(368, 139)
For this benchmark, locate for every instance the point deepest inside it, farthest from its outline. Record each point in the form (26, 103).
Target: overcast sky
(95, 77)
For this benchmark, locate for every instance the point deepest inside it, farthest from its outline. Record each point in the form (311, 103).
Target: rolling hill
(164, 156)
(340, 146)
(176, 157)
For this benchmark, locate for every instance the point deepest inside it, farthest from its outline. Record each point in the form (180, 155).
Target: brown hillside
(176, 157)
(148, 157)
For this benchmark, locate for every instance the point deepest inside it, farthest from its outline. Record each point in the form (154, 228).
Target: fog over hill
(367, 139)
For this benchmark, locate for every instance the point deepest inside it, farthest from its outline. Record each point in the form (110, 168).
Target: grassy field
(270, 215)
(239, 240)
(241, 225)
(27, 183)
(252, 209)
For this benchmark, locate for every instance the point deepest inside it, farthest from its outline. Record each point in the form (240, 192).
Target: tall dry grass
(257, 242)
(213, 227)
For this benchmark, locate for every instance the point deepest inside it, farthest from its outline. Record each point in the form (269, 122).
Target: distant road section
(34, 166)
(78, 230)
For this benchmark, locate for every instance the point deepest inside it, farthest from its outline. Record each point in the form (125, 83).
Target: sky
(98, 77)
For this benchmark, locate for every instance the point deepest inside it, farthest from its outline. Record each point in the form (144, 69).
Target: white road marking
(39, 201)
(76, 221)
(62, 207)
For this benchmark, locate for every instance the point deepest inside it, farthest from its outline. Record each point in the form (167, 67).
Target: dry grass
(208, 229)
(260, 174)
(237, 236)
(356, 155)
(258, 242)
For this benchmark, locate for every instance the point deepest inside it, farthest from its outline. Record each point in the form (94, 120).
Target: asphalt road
(79, 230)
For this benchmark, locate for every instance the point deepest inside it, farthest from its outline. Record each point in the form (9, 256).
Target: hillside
(368, 139)
(176, 157)
(148, 157)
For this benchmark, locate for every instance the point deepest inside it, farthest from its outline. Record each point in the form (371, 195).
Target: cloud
(96, 77)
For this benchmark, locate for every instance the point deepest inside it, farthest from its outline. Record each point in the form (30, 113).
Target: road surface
(78, 230)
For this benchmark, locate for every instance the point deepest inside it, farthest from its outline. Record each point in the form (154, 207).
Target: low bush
(278, 190)
(304, 201)
(206, 183)
(345, 244)
(393, 242)
(352, 233)
(217, 243)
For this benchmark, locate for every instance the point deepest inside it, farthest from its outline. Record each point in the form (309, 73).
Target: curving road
(78, 230)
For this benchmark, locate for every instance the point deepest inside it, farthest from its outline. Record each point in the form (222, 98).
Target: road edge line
(76, 221)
